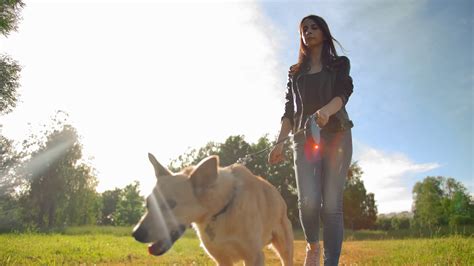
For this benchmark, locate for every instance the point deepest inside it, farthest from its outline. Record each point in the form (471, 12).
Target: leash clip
(312, 130)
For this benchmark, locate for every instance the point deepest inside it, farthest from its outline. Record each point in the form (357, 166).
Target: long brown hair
(328, 52)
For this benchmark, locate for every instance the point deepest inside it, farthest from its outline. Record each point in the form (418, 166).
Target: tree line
(46, 183)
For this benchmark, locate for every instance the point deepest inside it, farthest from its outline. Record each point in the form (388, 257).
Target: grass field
(114, 246)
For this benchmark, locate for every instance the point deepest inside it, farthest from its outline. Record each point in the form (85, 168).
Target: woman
(319, 84)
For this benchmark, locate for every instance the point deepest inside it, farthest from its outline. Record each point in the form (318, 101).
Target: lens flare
(161, 222)
(41, 161)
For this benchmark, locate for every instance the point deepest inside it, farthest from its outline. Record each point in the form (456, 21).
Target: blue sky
(164, 77)
(412, 66)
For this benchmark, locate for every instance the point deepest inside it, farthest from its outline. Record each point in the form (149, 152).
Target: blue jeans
(320, 177)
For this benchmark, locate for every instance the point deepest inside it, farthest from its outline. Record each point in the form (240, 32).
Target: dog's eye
(171, 203)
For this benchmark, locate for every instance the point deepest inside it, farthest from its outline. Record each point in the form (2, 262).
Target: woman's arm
(289, 103)
(285, 129)
(343, 88)
(277, 155)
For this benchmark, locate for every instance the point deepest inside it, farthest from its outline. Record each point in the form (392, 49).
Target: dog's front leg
(257, 260)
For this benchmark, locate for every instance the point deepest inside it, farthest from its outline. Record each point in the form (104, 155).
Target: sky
(168, 76)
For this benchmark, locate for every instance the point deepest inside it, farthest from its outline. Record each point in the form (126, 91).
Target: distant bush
(457, 220)
(383, 223)
(10, 215)
(395, 221)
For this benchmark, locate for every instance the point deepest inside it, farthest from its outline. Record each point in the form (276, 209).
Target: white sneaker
(312, 256)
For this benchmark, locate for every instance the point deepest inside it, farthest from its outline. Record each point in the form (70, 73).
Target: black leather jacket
(342, 87)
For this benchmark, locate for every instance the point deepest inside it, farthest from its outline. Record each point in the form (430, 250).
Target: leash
(311, 125)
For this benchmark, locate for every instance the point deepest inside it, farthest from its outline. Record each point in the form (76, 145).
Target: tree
(10, 215)
(441, 201)
(130, 207)
(360, 211)
(61, 188)
(9, 83)
(9, 160)
(9, 68)
(456, 203)
(400, 223)
(10, 15)
(370, 213)
(82, 202)
(427, 202)
(384, 223)
(193, 157)
(110, 200)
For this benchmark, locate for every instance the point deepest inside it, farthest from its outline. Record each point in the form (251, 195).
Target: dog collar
(224, 209)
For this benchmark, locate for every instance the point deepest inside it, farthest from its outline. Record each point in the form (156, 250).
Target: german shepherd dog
(234, 213)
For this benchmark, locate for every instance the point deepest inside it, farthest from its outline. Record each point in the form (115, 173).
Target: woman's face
(311, 34)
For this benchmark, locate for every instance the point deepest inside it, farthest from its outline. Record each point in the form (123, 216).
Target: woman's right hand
(276, 154)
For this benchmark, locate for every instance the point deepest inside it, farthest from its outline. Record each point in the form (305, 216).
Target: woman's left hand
(322, 117)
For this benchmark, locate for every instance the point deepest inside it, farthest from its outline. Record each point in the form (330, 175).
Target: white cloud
(390, 176)
(146, 77)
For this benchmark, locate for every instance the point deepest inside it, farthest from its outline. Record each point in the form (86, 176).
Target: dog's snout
(175, 234)
(140, 234)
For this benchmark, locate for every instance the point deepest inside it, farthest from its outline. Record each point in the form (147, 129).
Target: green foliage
(10, 15)
(458, 220)
(400, 223)
(110, 199)
(9, 161)
(130, 206)
(9, 83)
(441, 201)
(383, 223)
(10, 214)
(61, 188)
(193, 157)
(9, 68)
(427, 199)
(360, 211)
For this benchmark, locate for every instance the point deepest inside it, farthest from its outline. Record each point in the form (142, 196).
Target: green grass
(443, 231)
(440, 232)
(53, 249)
(454, 250)
(98, 230)
(114, 245)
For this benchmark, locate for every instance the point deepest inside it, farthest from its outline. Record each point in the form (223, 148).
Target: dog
(235, 213)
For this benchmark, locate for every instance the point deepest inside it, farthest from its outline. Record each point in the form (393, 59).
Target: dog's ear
(159, 169)
(205, 173)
